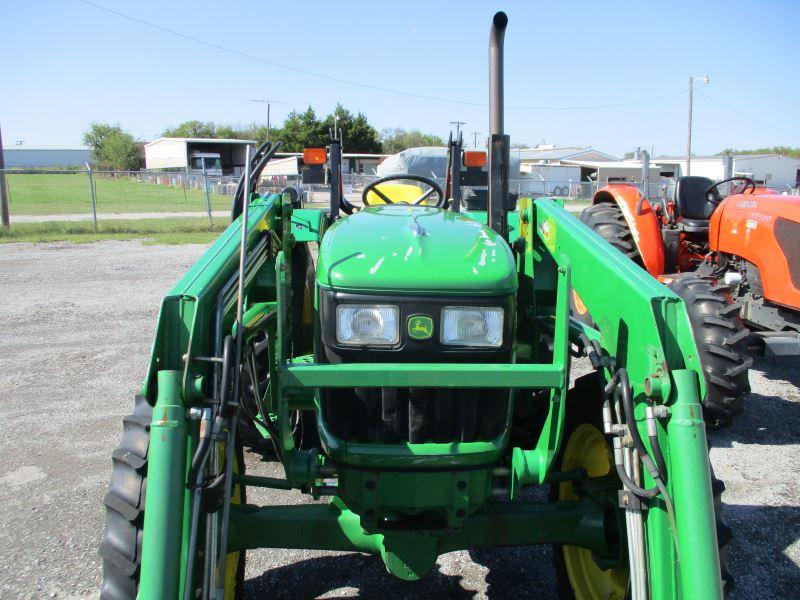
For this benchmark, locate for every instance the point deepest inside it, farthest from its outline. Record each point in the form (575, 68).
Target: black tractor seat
(693, 206)
(694, 225)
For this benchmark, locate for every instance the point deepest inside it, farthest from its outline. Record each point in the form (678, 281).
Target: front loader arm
(645, 329)
(186, 323)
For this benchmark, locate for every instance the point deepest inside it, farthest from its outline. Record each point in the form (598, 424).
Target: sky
(67, 63)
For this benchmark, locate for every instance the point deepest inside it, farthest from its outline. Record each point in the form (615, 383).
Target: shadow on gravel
(516, 572)
(757, 556)
(316, 577)
(779, 369)
(766, 420)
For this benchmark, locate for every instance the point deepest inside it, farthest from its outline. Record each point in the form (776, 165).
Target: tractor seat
(694, 208)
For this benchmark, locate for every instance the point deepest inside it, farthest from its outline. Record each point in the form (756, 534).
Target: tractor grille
(416, 415)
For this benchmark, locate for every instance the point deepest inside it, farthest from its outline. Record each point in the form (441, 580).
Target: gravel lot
(77, 324)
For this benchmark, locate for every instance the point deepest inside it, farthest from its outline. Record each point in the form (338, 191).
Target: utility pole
(705, 79)
(4, 216)
(268, 102)
(457, 125)
(475, 135)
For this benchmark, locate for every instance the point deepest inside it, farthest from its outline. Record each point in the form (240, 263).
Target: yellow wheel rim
(232, 564)
(587, 449)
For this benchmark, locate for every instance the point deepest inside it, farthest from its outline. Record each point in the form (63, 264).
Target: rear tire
(606, 220)
(721, 339)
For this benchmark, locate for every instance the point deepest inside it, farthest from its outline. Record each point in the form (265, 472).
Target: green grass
(154, 231)
(69, 194)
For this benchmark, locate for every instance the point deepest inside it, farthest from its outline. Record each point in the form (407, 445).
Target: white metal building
(32, 157)
(618, 171)
(289, 163)
(549, 163)
(226, 155)
(774, 170)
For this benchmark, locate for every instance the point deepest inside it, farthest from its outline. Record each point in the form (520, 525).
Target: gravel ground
(77, 323)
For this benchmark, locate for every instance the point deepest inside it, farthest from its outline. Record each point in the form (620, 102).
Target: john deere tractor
(415, 378)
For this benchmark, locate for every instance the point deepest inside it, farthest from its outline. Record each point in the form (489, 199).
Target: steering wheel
(432, 185)
(714, 196)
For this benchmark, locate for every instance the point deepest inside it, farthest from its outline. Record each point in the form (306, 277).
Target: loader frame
(643, 328)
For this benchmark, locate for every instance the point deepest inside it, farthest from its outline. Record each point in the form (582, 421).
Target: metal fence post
(645, 174)
(208, 200)
(91, 190)
(4, 213)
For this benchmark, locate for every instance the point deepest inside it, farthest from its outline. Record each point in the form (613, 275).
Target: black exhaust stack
(499, 143)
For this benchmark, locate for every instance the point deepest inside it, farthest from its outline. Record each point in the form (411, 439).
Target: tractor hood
(409, 249)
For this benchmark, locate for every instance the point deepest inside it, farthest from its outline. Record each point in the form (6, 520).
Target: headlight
(472, 326)
(367, 325)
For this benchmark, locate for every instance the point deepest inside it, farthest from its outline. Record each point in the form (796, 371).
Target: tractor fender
(764, 230)
(645, 227)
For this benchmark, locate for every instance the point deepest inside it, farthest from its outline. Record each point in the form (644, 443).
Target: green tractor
(417, 376)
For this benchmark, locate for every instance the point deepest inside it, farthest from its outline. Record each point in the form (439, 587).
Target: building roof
(609, 164)
(536, 154)
(717, 157)
(200, 140)
(344, 155)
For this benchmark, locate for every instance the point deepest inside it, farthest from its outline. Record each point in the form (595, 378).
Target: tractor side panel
(760, 229)
(645, 227)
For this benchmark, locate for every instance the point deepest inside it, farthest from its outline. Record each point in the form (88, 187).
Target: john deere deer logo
(420, 327)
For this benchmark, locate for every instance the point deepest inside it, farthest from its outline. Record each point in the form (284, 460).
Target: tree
(302, 130)
(193, 129)
(112, 147)
(258, 132)
(784, 150)
(356, 133)
(398, 139)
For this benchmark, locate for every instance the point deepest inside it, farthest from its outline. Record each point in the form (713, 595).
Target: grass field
(155, 231)
(44, 194)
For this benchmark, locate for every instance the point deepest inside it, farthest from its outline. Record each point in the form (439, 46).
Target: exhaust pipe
(499, 143)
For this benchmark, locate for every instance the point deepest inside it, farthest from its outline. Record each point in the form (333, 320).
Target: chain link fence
(35, 195)
(42, 195)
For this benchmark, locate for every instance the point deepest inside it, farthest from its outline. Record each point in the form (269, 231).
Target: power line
(746, 116)
(357, 83)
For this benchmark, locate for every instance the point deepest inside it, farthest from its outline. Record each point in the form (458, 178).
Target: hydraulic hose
(628, 482)
(260, 161)
(621, 382)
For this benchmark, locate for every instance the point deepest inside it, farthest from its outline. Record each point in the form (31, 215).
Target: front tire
(578, 577)
(721, 339)
(121, 548)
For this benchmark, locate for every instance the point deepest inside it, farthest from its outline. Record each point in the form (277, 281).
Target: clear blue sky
(66, 63)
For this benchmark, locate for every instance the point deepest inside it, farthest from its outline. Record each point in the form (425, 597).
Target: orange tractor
(734, 259)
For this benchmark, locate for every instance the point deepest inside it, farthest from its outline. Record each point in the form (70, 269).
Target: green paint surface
(387, 249)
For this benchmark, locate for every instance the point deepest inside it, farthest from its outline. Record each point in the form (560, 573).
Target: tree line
(114, 148)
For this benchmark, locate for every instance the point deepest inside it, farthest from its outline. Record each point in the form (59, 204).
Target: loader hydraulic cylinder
(166, 472)
(691, 485)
